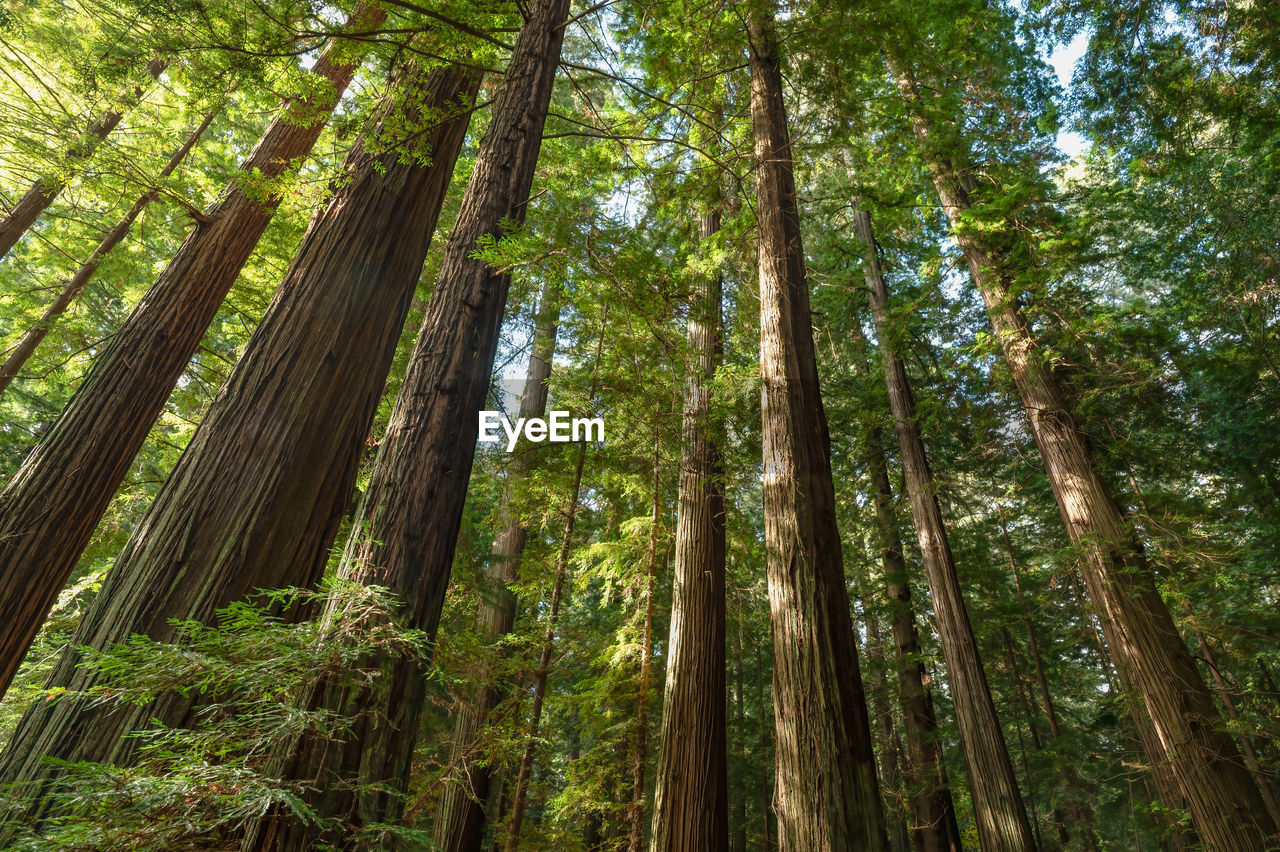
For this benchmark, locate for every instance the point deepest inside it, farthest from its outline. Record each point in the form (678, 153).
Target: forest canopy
(935, 499)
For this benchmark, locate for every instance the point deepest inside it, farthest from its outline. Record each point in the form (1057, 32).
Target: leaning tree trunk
(1226, 807)
(934, 827)
(234, 517)
(826, 794)
(998, 809)
(25, 347)
(407, 526)
(24, 213)
(50, 507)
(690, 802)
(461, 819)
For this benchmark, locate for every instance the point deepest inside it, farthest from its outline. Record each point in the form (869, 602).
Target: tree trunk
(43, 191)
(20, 353)
(891, 776)
(933, 827)
(690, 803)
(461, 820)
(50, 507)
(1077, 819)
(826, 792)
(407, 526)
(1225, 805)
(232, 518)
(640, 740)
(520, 795)
(997, 805)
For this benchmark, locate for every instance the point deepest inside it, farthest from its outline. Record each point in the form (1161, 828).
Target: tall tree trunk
(233, 519)
(640, 738)
(738, 840)
(997, 805)
(933, 827)
(24, 213)
(407, 526)
(827, 796)
(461, 820)
(1077, 818)
(891, 776)
(690, 802)
(1225, 805)
(520, 793)
(50, 507)
(27, 345)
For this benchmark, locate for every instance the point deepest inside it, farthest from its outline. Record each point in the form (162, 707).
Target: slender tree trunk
(933, 826)
(640, 742)
(1225, 805)
(1077, 819)
(20, 353)
(406, 529)
(891, 776)
(997, 805)
(50, 507)
(520, 793)
(461, 820)
(827, 796)
(739, 836)
(24, 213)
(233, 519)
(690, 803)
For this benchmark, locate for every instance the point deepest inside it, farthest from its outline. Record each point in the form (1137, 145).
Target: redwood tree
(690, 803)
(49, 508)
(826, 795)
(1186, 738)
(234, 517)
(407, 525)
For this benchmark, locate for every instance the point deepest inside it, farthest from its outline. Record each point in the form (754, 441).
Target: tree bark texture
(998, 809)
(690, 804)
(933, 825)
(25, 347)
(407, 525)
(42, 192)
(50, 507)
(1187, 733)
(461, 819)
(826, 794)
(257, 496)
(891, 775)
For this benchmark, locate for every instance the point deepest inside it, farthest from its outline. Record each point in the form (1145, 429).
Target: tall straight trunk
(20, 353)
(406, 528)
(826, 791)
(1226, 807)
(234, 517)
(933, 827)
(640, 737)
(50, 507)
(891, 776)
(998, 809)
(462, 817)
(1077, 818)
(690, 803)
(520, 793)
(738, 840)
(24, 213)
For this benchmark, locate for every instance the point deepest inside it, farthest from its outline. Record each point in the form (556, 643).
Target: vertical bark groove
(1180, 727)
(233, 518)
(826, 792)
(690, 803)
(51, 505)
(998, 808)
